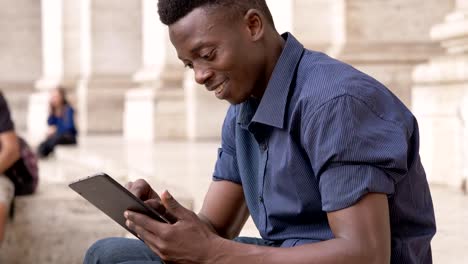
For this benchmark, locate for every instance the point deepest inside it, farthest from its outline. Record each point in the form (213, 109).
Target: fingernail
(126, 214)
(168, 195)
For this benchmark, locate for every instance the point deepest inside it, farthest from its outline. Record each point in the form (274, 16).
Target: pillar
(155, 108)
(386, 39)
(20, 54)
(110, 39)
(52, 67)
(312, 23)
(439, 99)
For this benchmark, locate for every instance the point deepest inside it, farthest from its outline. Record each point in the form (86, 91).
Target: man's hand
(141, 189)
(188, 240)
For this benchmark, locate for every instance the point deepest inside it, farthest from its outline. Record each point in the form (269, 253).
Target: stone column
(20, 54)
(440, 87)
(91, 47)
(386, 38)
(312, 23)
(52, 67)
(205, 112)
(110, 53)
(464, 117)
(155, 108)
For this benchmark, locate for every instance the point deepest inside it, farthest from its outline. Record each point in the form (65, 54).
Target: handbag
(24, 173)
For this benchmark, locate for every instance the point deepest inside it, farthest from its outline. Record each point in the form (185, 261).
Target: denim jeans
(133, 251)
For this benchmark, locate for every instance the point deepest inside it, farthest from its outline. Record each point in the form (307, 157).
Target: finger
(153, 242)
(144, 221)
(128, 186)
(173, 206)
(141, 189)
(156, 205)
(160, 209)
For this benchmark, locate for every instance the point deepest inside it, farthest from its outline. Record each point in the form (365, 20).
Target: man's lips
(217, 88)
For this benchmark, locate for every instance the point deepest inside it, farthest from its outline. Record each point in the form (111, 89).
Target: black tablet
(112, 198)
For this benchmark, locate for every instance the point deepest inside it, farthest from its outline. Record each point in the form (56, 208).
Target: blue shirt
(65, 124)
(322, 136)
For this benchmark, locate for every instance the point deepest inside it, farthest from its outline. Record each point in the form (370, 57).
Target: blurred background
(141, 115)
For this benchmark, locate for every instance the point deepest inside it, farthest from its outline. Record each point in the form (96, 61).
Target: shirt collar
(272, 107)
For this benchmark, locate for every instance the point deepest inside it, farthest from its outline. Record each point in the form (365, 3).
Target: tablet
(112, 198)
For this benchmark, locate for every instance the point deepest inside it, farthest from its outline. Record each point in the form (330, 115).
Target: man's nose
(202, 75)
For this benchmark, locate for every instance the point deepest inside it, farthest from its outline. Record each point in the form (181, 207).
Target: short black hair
(170, 11)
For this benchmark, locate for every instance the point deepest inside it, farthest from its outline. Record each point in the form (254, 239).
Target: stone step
(54, 225)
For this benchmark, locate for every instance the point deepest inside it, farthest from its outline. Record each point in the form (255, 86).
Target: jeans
(133, 251)
(46, 147)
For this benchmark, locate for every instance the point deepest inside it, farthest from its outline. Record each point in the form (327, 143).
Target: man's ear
(255, 24)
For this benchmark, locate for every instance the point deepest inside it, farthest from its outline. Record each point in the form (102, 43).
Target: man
(9, 154)
(323, 157)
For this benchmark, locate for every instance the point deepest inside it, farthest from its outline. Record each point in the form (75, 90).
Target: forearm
(207, 222)
(330, 251)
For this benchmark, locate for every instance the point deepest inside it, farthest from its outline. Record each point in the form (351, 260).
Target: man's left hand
(188, 240)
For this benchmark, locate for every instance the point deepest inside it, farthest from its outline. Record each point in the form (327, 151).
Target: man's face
(220, 51)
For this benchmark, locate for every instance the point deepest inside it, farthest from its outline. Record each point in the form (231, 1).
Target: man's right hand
(141, 189)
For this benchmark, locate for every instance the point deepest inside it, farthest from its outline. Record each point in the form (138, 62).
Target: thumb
(172, 205)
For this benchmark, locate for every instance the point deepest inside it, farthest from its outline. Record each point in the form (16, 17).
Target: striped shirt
(322, 136)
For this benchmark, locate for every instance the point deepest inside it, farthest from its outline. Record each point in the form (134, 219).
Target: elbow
(367, 252)
(378, 257)
(15, 153)
(373, 253)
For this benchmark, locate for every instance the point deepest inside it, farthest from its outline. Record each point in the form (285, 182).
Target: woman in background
(62, 130)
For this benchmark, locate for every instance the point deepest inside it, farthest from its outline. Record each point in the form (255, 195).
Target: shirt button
(260, 198)
(263, 147)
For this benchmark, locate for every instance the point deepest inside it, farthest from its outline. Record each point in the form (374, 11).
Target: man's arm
(224, 208)
(9, 151)
(362, 235)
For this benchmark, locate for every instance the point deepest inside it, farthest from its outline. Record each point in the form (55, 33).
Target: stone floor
(56, 225)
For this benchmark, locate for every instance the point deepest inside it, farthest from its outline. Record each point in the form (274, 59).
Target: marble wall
(124, 77)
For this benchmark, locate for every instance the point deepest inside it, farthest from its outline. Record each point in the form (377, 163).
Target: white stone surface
(386, 44)
(52, 44)
(156, 108)
(312, 23)
(205, 113)
(38, 110)
(20, 42)
(438, 98)
(441, 144)
(283, 13)
(20, 54)
(111, 40)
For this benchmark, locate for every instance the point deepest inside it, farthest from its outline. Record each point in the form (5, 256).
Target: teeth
(220, 88)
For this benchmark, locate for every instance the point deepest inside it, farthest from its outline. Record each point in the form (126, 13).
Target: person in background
(62, 130)
(9, 154)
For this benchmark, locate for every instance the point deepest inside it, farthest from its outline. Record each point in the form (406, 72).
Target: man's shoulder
(321, 79)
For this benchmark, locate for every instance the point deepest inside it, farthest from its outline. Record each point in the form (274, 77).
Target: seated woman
(62, 130)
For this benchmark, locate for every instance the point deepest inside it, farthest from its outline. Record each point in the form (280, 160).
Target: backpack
(24, 172)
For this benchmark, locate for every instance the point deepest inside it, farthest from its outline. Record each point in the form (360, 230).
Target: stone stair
(56, 225)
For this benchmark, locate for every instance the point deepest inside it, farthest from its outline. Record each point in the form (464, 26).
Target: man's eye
(208, 56)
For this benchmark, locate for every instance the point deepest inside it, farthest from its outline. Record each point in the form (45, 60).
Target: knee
(103, 251)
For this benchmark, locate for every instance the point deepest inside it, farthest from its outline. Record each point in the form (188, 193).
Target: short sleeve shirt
(5, 120)
(324, 135)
